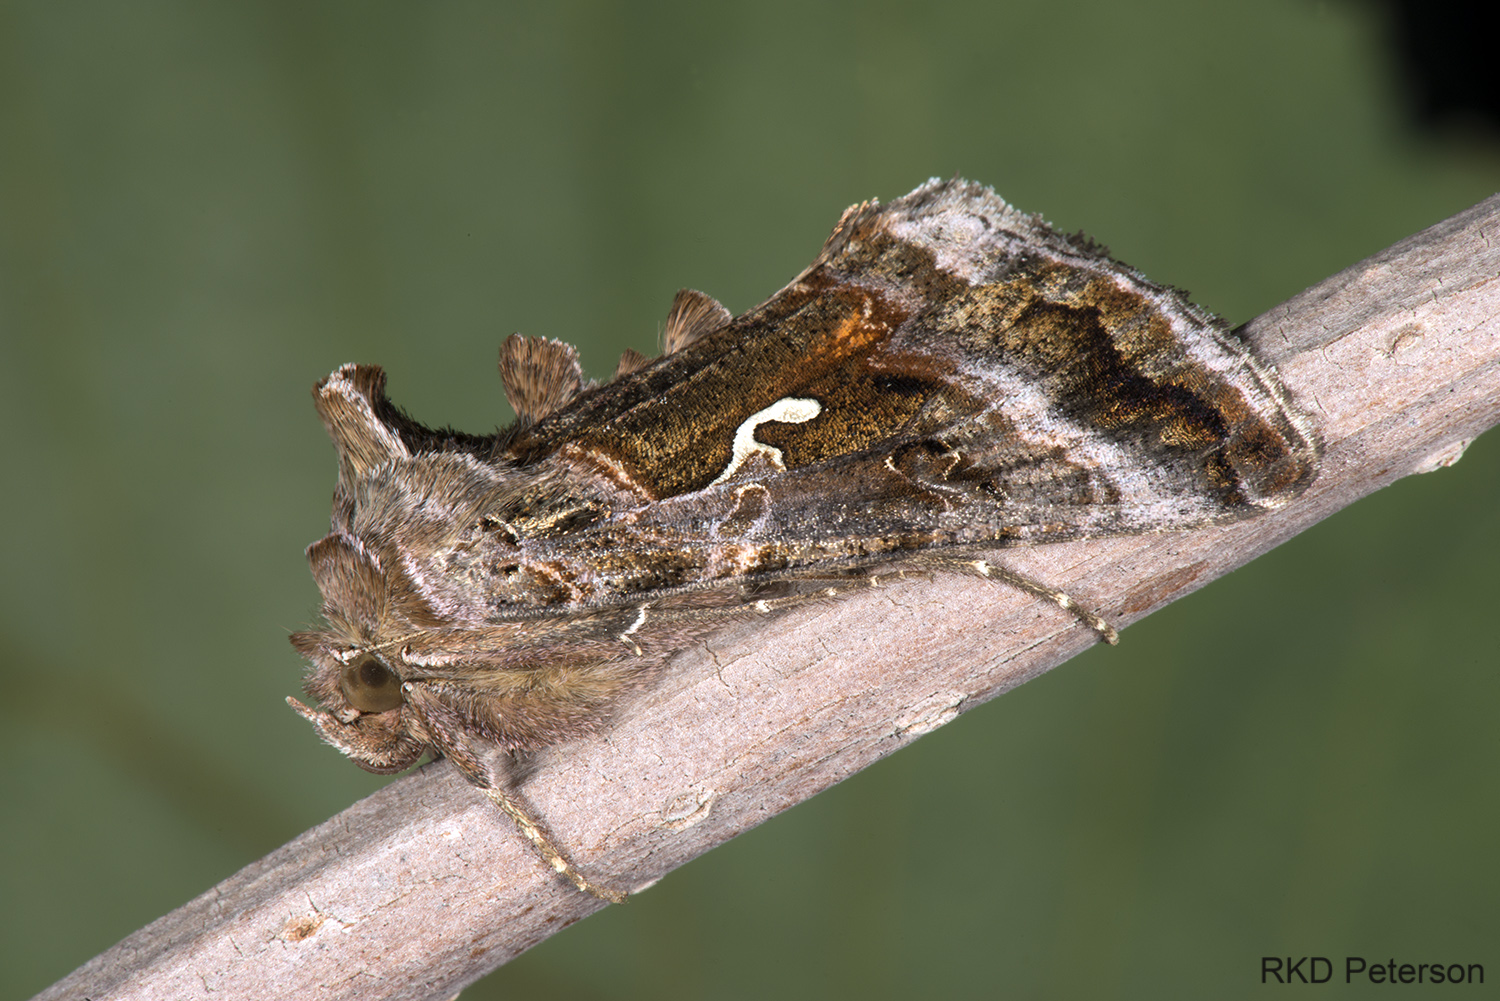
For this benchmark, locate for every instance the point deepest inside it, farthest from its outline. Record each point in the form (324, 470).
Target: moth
(949, 376)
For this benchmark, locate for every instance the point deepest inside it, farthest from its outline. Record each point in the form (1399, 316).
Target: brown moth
(949, 375)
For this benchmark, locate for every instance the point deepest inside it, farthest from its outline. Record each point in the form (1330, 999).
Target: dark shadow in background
(1445, 51)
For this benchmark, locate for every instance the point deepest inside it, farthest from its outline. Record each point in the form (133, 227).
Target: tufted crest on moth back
(693, 316)
(540, 376)
(631, 360)
(352, 584)
(350, 402)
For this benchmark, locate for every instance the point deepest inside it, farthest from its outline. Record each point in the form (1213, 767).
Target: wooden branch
(425, 886)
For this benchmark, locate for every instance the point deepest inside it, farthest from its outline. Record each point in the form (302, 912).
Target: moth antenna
(631, 361)
(540, 375)
(348, 401)
(692, 315)
(547, 849)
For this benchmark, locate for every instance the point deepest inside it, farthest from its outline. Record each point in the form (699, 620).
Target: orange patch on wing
(857, 333)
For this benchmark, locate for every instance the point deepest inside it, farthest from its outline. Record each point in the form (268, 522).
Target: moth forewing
(949, 376)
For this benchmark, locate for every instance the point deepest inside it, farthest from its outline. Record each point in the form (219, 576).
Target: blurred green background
(206, 207)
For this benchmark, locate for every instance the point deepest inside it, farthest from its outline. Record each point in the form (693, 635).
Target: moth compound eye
(370, 686)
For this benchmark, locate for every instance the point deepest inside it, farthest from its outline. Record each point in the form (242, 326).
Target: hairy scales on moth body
(949, 377)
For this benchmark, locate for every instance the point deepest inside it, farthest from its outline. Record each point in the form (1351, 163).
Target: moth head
(370, 685)
(410, 656)
(361, 701)
(369, 651)
(353, 668)
(349, 680)
(401, 508)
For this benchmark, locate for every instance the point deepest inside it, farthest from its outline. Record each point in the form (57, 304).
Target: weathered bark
(425, 886)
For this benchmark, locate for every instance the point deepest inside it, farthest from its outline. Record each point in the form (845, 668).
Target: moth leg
(546, 848)
(1061, 599)
(983, 568)
(439, 727)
